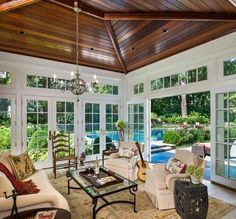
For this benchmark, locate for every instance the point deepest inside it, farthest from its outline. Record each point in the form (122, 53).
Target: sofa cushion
(6, 185)
(175, 166)
(22, 165)
(4, 159)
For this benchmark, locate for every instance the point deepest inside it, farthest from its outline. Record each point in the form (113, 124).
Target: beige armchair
(159, 184)
(124, 166)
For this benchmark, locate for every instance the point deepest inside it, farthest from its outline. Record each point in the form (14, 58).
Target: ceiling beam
(189, 16)
(11, 5)
(115, 44)
(85, 9)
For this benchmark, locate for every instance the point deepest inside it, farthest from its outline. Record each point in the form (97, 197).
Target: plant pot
(195, 180)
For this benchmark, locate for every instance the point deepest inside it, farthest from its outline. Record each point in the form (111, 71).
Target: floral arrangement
(120, 125)
(195, 171)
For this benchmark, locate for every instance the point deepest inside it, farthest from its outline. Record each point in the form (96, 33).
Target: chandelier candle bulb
(54, 77)
(72, 74)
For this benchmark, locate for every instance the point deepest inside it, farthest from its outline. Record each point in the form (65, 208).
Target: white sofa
(159, 184)
(47, 197)
(124, 166)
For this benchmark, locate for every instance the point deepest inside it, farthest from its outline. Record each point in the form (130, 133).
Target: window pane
(42, 118)
(167, 82)
(192, 76)
(88, 118)
(115, 108)
(69, 118)
(182, 78)
(136, 89)
(61, 119)
(31, 81)
(230, 67)
(202, 73)
(88, 107)
(232, 100)
(153, 85)
(5, 78)
(115, 90)
(60, 106)
(70, 107)
(174, 80)
(95, 118)
(42, 82)
(159, 83)
(42, 106)
(141, 88)
(108, 108)
(95, 108)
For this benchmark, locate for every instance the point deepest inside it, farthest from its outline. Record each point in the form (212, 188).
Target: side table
(191, 200)
(107, 153)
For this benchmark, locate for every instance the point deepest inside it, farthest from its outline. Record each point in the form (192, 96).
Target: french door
(7, 123)
(99, 127)
(42, 117)
(224, 137)
(136, 116)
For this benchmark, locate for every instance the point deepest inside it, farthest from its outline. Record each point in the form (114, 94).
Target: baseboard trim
(222, 185)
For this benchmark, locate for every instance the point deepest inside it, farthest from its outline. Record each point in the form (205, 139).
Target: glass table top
(95, 192)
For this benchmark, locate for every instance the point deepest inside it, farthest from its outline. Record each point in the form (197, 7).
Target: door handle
(50, 135)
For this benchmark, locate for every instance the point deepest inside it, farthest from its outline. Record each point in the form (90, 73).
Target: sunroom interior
(131, 58)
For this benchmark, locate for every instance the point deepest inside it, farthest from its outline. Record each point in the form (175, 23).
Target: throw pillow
(22, 166)
(175, 166)
(126, 152)
(26, 187)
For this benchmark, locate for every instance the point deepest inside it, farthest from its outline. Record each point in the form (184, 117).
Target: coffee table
(30, 214)
(101, 193)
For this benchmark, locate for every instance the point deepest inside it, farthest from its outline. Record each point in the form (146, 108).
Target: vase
(195, 180)
(120, 136)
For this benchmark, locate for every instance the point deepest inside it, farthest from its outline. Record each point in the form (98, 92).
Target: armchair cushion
(175, 166)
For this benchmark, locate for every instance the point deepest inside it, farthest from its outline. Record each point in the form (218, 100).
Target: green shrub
(198, 135)
(171, 137)
(5, 138)
(38, 145)
(186, 139)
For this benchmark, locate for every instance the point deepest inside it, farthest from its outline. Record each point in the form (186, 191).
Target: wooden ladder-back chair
(62, 151)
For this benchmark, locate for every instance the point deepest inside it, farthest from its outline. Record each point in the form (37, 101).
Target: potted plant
(196, 173)
(120, 126)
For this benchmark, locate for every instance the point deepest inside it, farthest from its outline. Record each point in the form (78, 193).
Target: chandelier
(77, 85)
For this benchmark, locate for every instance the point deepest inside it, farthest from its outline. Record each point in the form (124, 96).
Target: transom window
(138, 88)
(56, 83)
(182, 78)
(230, 67)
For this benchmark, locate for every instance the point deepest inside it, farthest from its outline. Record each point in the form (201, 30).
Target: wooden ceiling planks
(46, 29)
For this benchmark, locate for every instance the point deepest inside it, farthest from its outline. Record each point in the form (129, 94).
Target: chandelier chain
(77, 42)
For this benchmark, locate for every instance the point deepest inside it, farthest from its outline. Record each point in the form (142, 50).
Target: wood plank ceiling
(118, 35)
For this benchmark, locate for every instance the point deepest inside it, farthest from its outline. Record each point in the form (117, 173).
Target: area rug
(81, 205)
